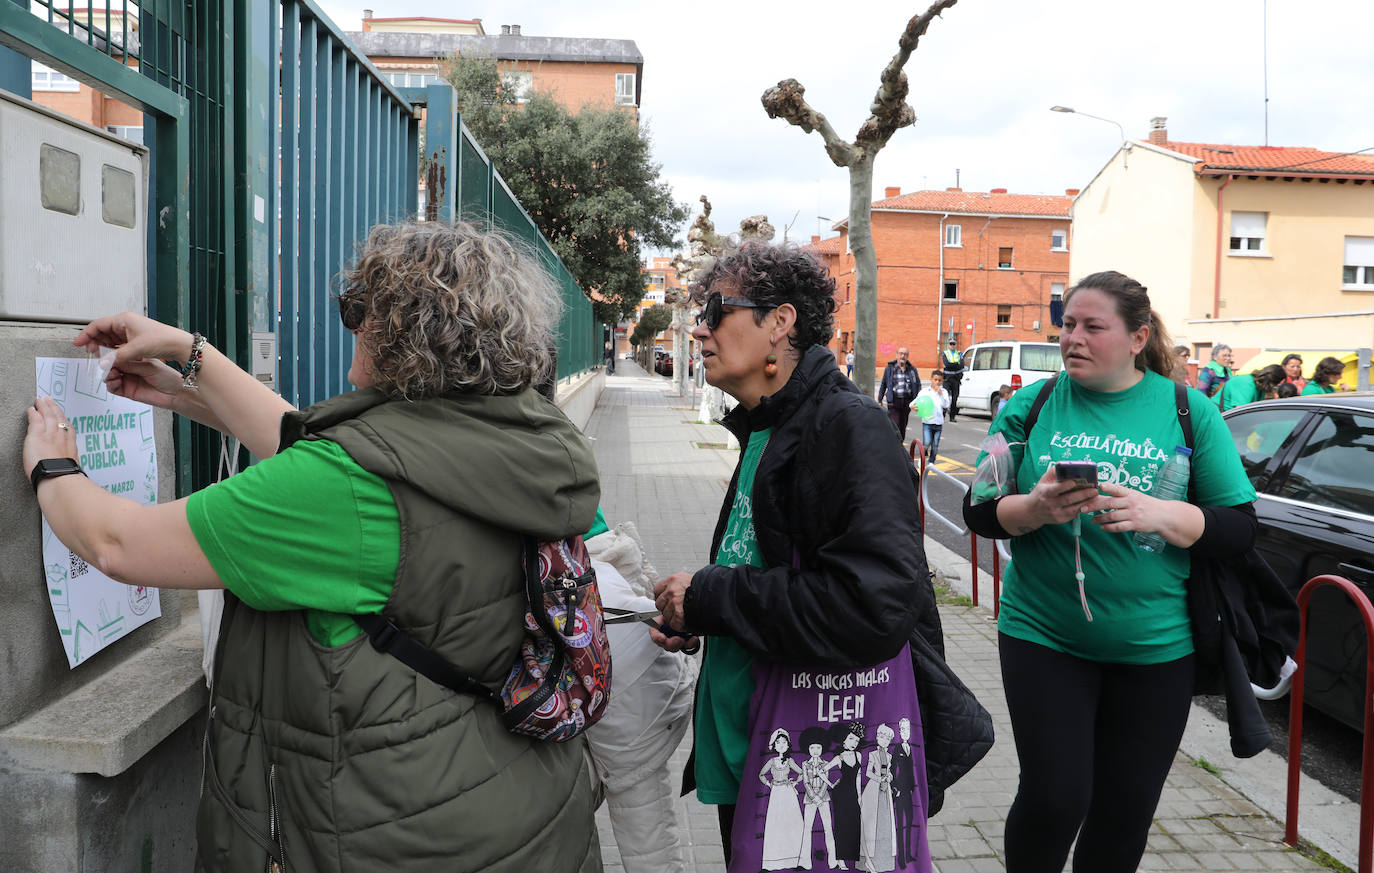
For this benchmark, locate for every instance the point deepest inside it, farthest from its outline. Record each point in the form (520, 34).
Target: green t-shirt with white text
(721, 724)
(1138, 599)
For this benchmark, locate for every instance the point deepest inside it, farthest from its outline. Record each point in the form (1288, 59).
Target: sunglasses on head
(352, 311)
(714, 311)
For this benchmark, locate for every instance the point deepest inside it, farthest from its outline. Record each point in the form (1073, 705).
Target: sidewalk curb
(1326, 819)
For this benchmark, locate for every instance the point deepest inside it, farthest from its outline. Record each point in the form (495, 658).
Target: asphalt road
(1331, 750)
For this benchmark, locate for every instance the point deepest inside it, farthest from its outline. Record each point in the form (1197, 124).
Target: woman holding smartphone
(1094, 632)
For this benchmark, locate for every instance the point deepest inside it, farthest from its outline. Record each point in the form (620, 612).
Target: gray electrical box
(73, 218)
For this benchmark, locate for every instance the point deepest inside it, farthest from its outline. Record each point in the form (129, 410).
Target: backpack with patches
(560, 682)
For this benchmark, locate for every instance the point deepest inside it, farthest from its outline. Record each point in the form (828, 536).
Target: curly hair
(772, 275)
(452, 308)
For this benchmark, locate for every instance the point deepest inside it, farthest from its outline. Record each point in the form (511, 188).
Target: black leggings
(1095, 743)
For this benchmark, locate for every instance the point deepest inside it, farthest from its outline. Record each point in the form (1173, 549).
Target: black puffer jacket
(835, 496)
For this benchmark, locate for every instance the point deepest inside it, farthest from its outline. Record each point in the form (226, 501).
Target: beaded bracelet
(192, 368)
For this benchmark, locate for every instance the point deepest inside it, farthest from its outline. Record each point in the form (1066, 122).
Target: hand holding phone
(1083, 473)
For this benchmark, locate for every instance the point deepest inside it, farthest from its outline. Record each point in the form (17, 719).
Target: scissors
(626, 616)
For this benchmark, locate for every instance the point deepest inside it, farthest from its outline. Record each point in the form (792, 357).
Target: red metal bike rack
(1290, 833)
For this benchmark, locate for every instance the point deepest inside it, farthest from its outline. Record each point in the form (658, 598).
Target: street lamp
(1070, 109)
(819, 219)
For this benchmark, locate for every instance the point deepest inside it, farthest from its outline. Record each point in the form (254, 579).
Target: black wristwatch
(50, 468)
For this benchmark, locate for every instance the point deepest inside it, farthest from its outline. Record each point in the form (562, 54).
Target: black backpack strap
(391, 640)
(1034, 415)
(1185, 422)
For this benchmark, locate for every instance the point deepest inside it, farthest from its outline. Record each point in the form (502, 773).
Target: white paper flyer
(114, 438)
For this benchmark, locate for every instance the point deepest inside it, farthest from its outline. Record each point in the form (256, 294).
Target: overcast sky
(983, 79)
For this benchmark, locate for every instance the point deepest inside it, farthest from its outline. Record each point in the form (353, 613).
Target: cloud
(982, 81)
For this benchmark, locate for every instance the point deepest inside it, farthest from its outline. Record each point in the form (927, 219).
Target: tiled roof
(979, 203)
(1298, 159)
(832, 246)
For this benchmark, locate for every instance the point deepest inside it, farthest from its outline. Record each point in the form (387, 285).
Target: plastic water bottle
(1172, 484)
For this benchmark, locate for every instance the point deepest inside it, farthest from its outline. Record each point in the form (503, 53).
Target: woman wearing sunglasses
(409, 495)
(818, 572)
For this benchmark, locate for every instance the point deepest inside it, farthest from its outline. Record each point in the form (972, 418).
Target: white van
(989, 366)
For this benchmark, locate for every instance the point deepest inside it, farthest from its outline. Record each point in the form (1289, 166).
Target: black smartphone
(1082, 472)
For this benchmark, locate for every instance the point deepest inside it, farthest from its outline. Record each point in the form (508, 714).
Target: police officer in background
(953, 365)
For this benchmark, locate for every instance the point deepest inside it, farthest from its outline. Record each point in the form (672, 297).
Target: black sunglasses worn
(714, 311)
(352, 311)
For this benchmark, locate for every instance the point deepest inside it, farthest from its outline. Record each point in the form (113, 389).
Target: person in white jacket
(649, 712)
(932, 425)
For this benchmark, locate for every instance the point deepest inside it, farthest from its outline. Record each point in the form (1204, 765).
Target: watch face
(53, 466)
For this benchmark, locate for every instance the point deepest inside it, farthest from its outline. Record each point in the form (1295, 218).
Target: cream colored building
(1254, 246)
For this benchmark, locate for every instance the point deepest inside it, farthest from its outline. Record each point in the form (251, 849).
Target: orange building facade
(577, 72)
(977, 266)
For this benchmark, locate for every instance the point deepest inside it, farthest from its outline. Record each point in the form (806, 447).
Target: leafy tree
(586, 178)
(889, 113)
(653, 322)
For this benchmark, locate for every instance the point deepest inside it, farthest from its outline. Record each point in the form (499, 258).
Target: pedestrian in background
(1212, 377)
(818, 566)
(933, 424)
(410, 497)
(1292, 371)
(1181, 374)
(953, 369)
(849, 364)
(1258, 385)
(1327, 371)
(901, 383)
(1082, 664)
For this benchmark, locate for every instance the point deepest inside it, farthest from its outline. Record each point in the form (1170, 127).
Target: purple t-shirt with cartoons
(835, 778)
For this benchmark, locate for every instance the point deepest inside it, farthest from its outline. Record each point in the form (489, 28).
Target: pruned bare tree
(889, 113)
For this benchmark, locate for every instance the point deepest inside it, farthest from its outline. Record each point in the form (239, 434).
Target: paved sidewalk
(668, 474)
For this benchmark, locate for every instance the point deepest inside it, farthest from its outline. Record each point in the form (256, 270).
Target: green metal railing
(275, 145)
(462, 184)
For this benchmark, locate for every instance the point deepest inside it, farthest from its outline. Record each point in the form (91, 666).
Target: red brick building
(987, 263)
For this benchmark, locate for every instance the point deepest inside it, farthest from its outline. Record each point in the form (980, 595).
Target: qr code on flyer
(79, 567)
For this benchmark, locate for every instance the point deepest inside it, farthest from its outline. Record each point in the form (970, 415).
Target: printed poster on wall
(114, 439)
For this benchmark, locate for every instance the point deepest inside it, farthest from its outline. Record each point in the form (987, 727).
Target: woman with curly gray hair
(818, 569)
(409, 498)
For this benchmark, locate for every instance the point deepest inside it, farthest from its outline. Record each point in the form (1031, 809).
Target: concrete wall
(577, 397)
(1137, 217)
(92, 775)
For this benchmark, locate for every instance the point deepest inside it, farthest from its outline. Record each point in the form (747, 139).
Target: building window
(411, 80)
(1059, 239)
(133, 133)
(1004, 258)
(625, 89)
(952, 290)
(48, 79)
(1056, 291)
(519, 83)
(954, 236)
(1247, 233)
(1359, 263)
(1004, 314)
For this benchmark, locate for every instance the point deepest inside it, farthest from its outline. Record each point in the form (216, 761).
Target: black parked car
(1311, 460)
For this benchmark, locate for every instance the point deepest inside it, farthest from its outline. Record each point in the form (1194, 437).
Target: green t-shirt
(1312, 387)
(1138, 599)
(721, 724)
(305, 529)
(1238, 391)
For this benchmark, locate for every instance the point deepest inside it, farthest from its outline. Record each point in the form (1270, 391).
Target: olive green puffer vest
(343, 759)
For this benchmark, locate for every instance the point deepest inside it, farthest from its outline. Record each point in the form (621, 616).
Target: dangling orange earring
(770, 366)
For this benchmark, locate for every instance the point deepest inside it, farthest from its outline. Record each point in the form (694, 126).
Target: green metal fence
(275, 146)
(461, 183)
